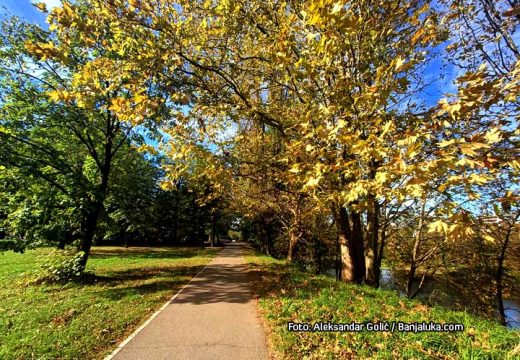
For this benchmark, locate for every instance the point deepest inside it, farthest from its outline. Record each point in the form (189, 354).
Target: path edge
(262, 322)
(168, 302)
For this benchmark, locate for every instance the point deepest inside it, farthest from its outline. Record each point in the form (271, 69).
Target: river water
(387, 281)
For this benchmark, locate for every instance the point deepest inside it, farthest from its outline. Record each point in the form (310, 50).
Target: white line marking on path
(140, 328)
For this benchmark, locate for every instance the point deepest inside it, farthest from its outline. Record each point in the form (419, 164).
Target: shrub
(234, 235)
(60, 267)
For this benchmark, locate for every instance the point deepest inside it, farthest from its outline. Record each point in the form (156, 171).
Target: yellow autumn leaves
(334, 80)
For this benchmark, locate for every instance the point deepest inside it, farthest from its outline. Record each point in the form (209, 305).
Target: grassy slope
(88, 320)
(286, 294)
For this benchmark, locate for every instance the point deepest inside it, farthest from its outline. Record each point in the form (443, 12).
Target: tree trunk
(212, 231)
(193, 233)
(413, 266)
(380, 252)
(371, 243)
(500, 298)
(357, 246)
(500, 274)
(350, 246)
(89, 230)
(372, 234)
(294, 238)
(267, 244)
(337, 260)
(263, 236)
(294, 231)
(411, 280)
(175, 238)
(61, 243)
(415, 253)
(92, 216)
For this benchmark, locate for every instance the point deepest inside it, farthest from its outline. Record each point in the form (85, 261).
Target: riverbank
(454, 295)
(287, 294)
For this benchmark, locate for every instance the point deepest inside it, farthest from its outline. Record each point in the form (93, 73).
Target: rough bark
(411, 280)
(96, 206)
(263, 235)
(294, 238)
(500, 270)
(89, 230)
(380, 252)
(371, 243)
(356, 244)
(498, 278)
(350, 246)
(415, 254)
(295, 229)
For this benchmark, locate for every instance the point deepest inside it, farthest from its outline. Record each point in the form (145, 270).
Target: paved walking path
(213, 317)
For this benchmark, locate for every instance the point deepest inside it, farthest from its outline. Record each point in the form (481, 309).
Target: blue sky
(24, 9)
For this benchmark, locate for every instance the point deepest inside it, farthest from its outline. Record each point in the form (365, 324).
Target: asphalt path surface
(213, 317)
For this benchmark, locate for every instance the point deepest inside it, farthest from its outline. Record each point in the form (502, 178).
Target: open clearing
(87, 320)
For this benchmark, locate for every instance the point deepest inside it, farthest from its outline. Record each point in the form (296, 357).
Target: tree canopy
(342, 125)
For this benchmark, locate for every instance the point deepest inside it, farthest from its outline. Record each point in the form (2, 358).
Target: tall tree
(340, 83)
(55, 128)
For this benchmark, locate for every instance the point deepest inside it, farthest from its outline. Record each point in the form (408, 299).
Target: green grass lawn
(87, 320)
(287, 294)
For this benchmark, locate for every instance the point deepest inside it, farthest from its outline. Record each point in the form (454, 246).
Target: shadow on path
(213, 317)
